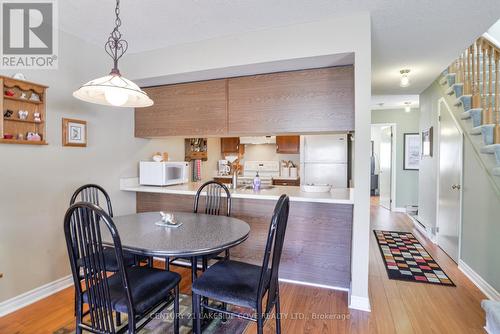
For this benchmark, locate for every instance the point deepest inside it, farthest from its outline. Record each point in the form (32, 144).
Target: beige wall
(36, 182)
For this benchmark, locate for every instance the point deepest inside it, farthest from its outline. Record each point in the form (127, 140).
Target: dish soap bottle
(256, 182)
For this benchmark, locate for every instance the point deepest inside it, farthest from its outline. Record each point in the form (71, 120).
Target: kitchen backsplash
(267, 152)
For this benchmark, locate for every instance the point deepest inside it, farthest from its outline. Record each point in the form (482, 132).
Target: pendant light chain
(114, 89)
(116, 46)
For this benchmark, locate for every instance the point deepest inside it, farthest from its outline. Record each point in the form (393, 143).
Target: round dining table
(197, 235)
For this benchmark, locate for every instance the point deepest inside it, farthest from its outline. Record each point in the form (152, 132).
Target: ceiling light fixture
(407, 106)
(114, 89)
(405, 79)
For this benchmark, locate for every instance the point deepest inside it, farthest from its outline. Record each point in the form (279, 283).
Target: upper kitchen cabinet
(288, 144)
(230, 145)
(190, 109)
(299, 101)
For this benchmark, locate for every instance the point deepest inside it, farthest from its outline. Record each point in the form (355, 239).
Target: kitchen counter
(335, 196)
(319, 227)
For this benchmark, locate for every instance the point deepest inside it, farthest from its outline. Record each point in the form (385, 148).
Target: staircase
(472, 83)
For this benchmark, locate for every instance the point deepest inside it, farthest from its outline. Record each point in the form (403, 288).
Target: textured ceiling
(422, 35)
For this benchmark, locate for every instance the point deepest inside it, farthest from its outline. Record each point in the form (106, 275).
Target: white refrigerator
(324, 160)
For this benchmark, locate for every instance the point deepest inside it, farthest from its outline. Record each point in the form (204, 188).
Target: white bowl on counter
(316, 188)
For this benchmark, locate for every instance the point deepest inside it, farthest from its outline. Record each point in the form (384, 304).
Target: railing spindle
(497, 98)
(476, 97)
(489, 114)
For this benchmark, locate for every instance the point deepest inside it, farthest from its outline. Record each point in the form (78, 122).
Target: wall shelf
(22, 120)
(21, 100)
(19, 128)
(23, 142)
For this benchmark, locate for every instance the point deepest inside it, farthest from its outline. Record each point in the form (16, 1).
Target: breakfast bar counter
(317, 248)
(335, 196)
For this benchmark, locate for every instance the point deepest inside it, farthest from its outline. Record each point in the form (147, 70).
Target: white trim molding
(359, 303)
(322, 286)
(478, 281)
(29, 297)
(396, 209)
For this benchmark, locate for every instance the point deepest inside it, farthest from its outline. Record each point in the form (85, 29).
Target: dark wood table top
(198, 235)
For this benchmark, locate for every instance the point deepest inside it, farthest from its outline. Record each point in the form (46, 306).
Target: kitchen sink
(249, 187)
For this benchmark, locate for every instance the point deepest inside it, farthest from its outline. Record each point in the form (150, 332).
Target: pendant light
(114, 89)
(405, 79)
(407, 106)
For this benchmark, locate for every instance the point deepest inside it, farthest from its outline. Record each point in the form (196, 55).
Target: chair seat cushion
(110, 259)
(231, 282)
(149, 286)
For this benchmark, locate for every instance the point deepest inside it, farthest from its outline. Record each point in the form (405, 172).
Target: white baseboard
(322, 286)
(29, 297)
(395, 209)
(423, 230)
(478, 281)
(359, 303)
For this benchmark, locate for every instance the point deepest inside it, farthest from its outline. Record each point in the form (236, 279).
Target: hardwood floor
(397, 306)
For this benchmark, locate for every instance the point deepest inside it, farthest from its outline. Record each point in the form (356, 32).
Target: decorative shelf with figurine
(24, 113)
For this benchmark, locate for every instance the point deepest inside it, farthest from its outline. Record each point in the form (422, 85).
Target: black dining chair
(215, 204)
(136, 291)
(243, 284)
(96, 194)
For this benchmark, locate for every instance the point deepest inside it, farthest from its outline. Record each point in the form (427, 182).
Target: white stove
(267, 171)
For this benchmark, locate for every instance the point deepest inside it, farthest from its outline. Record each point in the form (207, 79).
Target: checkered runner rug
(406, 259)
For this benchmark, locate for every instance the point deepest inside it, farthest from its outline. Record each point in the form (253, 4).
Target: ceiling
(423, 35)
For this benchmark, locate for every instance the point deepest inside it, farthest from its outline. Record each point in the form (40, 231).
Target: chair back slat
(92, 193)
(274, 248)
(214, 201)
(82, 229)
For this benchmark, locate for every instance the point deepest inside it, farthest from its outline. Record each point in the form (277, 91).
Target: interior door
(385, 167)
(450, 175)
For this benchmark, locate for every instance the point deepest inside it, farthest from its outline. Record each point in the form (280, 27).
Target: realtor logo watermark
(29, 34)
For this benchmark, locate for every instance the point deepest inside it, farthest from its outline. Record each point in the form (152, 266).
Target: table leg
(194, 269)
(167, 263)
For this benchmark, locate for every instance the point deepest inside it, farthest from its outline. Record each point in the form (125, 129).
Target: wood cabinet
(317, 100)
(190, 109)
(292, 102)
(288, 144)
(29, 98)
(230, 145)
(225, 180)
(283, 182)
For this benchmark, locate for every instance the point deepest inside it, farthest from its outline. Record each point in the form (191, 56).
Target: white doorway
(449, 208)
(383, 157)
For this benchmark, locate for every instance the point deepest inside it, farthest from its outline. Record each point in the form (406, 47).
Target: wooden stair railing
(477, 69)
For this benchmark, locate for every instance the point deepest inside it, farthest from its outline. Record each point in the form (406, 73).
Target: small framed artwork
(411, 151)
(427, 142)
(74, 132)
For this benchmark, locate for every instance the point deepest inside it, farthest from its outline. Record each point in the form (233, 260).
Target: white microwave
(166, 173)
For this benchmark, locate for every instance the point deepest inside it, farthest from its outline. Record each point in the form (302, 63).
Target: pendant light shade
(113, 89)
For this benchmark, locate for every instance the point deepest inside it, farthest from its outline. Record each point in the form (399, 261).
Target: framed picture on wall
(427, 142)
(74, 132)
(411, 151)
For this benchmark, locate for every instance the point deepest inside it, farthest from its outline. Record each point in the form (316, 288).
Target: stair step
(465, 101)
(465, 115)
(487, 130)
(477, 117)
(488, 149)
(476, 130)
(496, 149)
